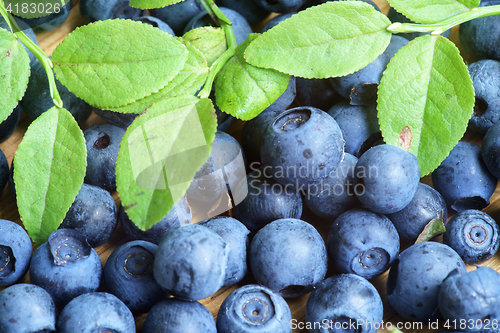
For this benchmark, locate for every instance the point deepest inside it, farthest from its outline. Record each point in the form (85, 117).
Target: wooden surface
(49, 40)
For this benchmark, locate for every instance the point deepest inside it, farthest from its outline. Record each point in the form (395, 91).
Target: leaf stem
(440, 27)
(231, 47)
(39, 54)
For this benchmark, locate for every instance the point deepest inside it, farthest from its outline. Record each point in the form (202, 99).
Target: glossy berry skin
(103, 143)
(100, 10)
(485, 75)
(237, 238)
(266, 201)
(157, 23)
(254, 309)
(275, 21)
(26, 308)
(427, 204)
(247, 8)
(66, 266)
(128, 274)
(473, 234)
(388, 178)
(317, 93)
(481, 37)
(281, 6)
(416, 276)
(288, 256)
(4, 170)
(96, 312)
(463, 179)
(9, 125)
(191, 262)
(15, 252)
(363, 242)
(395, 16)
(337, 301)
(335, 194)
(122, 120)
(472, 296)
(240, 26)
(37, 100)
(178, 216)
(179, 317)
(359, 125)
(302, 146)
(286, 98)
(490, 150)
(178, 14)
(93, 214)
(52, 21)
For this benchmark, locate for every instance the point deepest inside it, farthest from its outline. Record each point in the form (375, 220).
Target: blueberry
(26, 308)
(191, 262)
(247, 8)
(9, 125)
(335, 194)
(100, 10)
(128, 274)
(103, 143)
(302, 146)
(490, 150)
(387, 178)
(281, 6)
(93, 214)
(266, 201)
(240, 26)
(361, 87)
(288, 256)
(427, 204)
(363, 242)
(236, 236)
(474, 235)
(485, 75)
(66, 266)
(179, 14)
(157, 23)
(480, 38)
(463, 179)
(37, 98)
(96, 312)
(28, 31)
(122, 120)
(216, 183)
(275, 21)
(4, 170)
(416, 276)
(179, 317)
(317, 93)
(473, 297)
(224, 120)
(51, 21)
(359, 125)
(254, 309)
(344, 300)
(286, 98)
(180, 214)
(15, 252)
(395, 16)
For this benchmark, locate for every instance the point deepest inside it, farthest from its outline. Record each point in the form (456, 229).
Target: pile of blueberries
(318, 150)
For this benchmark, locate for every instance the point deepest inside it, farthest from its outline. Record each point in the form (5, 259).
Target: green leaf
(189, 80)
(151, 4)
(432, 11)
(14, 72)
(129, 61)
(160, 154)
(425, 100)
(243, 90)
(211, 41)
(50, 167)
(334, 39)
(433, 229)
(34, 8)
